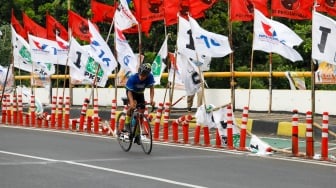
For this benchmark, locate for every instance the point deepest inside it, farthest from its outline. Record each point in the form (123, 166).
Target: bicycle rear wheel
(124, 135)
(146, 135)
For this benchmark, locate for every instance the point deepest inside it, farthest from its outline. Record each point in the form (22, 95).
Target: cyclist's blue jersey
(136, 85)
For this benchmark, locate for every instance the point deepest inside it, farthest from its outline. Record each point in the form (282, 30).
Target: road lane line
(105, 169)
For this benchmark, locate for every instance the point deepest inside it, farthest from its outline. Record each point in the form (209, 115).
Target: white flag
(158, 64)
(208, 43)
(100, 51)
(273, 36)
(23, 60)
(63, 50)
(123, 17)
(126, 57)
(43, 50)
(190, 75)
(186, 46)
(323, 38)
(83, 68)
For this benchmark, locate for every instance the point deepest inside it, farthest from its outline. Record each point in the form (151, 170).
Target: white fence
(282, 100)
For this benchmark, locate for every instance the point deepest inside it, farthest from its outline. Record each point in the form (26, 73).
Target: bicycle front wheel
(146, 135)
(124, 135)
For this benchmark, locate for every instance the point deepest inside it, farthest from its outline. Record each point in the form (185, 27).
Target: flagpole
(312, 89)
(270, 83)
(232, 82)
(250, 85)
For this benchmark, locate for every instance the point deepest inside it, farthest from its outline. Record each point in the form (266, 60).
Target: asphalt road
(33, 158)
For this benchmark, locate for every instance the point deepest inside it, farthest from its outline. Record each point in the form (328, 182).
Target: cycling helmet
(144, 69)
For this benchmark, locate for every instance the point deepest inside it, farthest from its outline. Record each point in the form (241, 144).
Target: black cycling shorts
(139, 98)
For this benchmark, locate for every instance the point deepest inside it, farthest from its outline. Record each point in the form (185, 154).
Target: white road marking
(105, 169)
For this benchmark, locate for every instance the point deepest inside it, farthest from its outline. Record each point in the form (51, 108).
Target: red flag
(328, 6)
(197, 7)
(79, 26)
(242, 10)
(151, 10)
(33, 28)
(53, 27)
(293, 9)
(174, 7)
(145, 28)
(102, 12)
(18, 27)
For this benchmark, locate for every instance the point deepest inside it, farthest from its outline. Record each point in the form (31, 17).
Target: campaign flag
(62, 51)
(273, 36)
(297, 10)
(190, 74)
(208, 43)
(123, 17)
(83, 68)
(328, 6)
(54, 28)
(18, 27)
(100, 51)
(102, 12)
(323, 36)
(151, 10)
(125, 54)
(23, 60)
(258, 146)
(43, 50)
(158, 64)
(186, 45)
(79, 26)
(242, 10)
(32, 27)
(197, 7)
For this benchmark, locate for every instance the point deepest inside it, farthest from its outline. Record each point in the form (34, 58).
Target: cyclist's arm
(151, 95)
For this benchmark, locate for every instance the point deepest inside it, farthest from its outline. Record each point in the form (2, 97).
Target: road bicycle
(138, 131)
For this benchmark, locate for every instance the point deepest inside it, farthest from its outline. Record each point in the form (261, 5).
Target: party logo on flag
(91, 68)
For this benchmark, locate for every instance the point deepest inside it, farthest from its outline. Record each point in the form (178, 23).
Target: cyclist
(135, 87)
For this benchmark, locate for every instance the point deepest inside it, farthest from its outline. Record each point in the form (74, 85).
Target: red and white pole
(113, 114)
(229, 128)
(60, 113)
(20, 110)
(4, 109)
(9, 110)
(185, 128)
(165, 121)
(242, 142)
(295, 133)
(309, 136)
(95, 116)
(32, 111)
(324, 139)
(157, 122)
(197, 134)
(206, 133)
(53, 112)
(83, 114)
(67, 113)
(15, 119)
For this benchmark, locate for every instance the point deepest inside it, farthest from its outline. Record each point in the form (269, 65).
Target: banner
(326, 73)
(295, 81)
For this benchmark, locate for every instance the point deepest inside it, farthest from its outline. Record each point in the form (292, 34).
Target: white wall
(283, 100)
